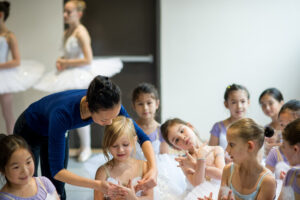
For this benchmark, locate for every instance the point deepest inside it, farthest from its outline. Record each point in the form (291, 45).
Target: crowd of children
(242, 159)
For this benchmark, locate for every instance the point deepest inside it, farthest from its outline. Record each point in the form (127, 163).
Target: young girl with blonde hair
(121, 168)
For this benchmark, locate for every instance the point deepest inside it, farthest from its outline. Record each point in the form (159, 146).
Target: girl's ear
(251, 145)
(157, 103)
(296, 148)
(226, 104)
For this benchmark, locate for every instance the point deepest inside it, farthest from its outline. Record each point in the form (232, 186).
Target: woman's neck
(73, 26)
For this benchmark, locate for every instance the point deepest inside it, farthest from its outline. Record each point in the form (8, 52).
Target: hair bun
(269, 132)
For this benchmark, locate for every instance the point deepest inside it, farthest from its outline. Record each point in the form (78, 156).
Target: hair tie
(269, 132)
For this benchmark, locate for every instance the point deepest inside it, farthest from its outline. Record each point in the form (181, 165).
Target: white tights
(7, 111)
(85, 137)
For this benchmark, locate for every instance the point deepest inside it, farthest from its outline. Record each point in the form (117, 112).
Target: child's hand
(282, 175)
(202, 152)
(207, 198)
(149, 181)
(228, 197)
(186, 162)
(131, 192)
(111, 190)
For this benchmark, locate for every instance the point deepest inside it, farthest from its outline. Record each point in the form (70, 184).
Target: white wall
(38, 26)
(207, 45)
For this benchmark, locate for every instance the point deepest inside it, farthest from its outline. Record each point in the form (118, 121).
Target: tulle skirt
(204, 189)
(78, 77)
(20, 78)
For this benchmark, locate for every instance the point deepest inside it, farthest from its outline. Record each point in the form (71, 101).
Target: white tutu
(288, 193)
(204, 189)
(93, 163)
(20, 78)
(281, 166)
(79, 77)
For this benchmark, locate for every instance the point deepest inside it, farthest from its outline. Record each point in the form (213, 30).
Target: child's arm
(213, 141)
(100, 175)
(164, 148)
(13, 45)
(85, 42)
(224, 182)
(216, 171)
(267, 189)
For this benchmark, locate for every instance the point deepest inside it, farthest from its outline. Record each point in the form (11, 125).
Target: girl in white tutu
(202, 165)
(119, 141)
(291, 149)
(145, 102)
(246, 177)
(14, 78)
(271, 101)
(76, 69)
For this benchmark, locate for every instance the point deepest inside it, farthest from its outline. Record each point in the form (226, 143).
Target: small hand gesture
(228, 197)
(60, 64)
(149, 181)
(206, 198)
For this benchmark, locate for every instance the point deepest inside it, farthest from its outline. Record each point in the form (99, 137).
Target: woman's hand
(110, 189)
(149, 181)
(206, 198)
(61, 64)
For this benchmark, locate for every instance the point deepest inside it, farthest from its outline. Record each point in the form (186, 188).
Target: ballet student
(17, 165)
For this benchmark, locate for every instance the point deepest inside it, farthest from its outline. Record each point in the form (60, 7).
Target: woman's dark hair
(8, 145)
(234, 87)
(248, 129)
(291, 132)
(4, 7)
(293, 106)
(143, 88)
(102, 94)
(274, 92)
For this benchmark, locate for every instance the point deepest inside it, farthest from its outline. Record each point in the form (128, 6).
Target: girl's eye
(231, 145)
(126, 145)
(176, 140)
(181, 131)
(28, 162)
(16, 167)
(243, 101)
(114, 146)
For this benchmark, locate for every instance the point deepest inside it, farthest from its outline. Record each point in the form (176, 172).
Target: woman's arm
(85, 43)
(219, 162)
(100, 175)
(148, 194)
(13, 45)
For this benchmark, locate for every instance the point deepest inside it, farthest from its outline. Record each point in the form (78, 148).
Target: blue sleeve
(142, 136)
(57, 142)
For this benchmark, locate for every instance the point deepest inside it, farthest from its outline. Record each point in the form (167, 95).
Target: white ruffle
(79, 77)
(288, 193)
(204, 189)
(20, 78)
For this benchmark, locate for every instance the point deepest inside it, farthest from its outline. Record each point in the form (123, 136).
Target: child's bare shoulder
(101, 173)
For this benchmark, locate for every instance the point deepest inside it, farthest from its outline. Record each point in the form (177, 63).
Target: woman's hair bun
(269, 132)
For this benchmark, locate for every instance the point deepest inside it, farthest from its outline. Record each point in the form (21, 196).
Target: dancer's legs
(7, 111)
(85, 143)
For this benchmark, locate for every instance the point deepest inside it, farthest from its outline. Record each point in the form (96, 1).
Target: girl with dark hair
(44, 125)
(14, 78)
(17, 165)
(271, 101)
